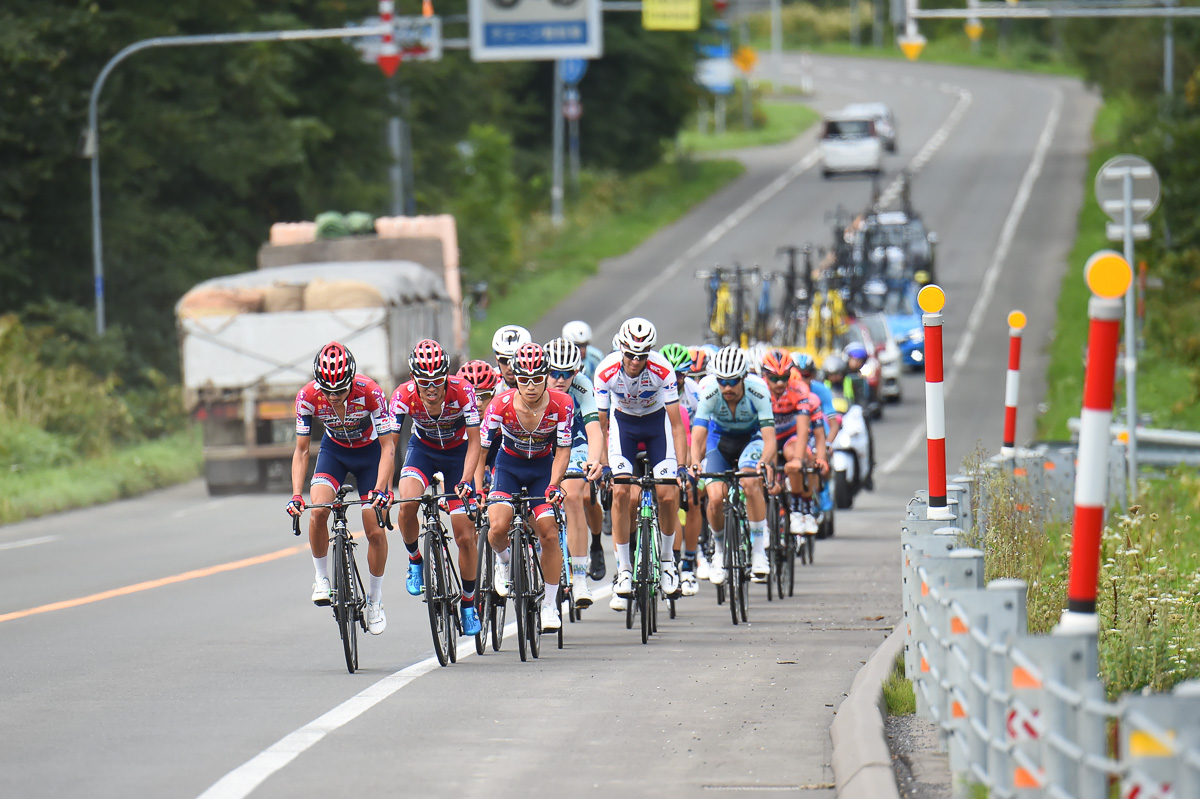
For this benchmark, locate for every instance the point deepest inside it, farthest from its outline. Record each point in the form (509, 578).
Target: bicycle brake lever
(295, 525)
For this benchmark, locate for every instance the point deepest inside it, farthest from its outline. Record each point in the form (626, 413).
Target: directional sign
(745, 58)
(716, 74)
(1110, 187)
(416, 39)
(974, 29)
(671, 15)
(911, 45)
(535, 30)
(572, 70)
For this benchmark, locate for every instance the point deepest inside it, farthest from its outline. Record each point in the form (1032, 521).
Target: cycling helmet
(711, 349)
(480, 374)
(777, 362)
(678, 356)
(637, 335)
(428, 360)
(833, 365)
(530, 361)
(755, 356)
(561, 354)
(730, 363)
(508, 339)
(333, 368)
(700, 361)
(578, 332)
(855, 350)
(806, 365)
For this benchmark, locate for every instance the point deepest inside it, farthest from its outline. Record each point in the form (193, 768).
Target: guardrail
(1155, 447)
(1026, 715)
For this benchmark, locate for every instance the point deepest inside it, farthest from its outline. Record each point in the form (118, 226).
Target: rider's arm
(820, 437)
(770, 448)
(677, 431)
(300, 464)
(489, 429)
(597, 452)
(699, 438)
(472, 461)
(563, 437)
(387, 462)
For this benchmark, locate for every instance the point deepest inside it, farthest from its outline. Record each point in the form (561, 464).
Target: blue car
(904, 317)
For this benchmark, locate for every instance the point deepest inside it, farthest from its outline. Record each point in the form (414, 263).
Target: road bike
(528, 583)
(646, 555)
(728, 311)
(781, 544)
(347, 598)
(492, 607)
(737, 542)
(442, 591)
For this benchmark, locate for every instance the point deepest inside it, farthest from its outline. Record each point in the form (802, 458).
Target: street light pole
(91, 146)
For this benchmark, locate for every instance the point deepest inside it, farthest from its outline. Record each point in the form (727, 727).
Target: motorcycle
(852, 456)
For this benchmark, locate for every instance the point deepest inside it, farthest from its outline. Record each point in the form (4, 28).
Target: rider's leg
(577, 536)
(622, 517)
(547, 532)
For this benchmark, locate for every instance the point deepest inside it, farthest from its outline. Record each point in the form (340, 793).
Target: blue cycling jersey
(826, 396)
(584, 395)
(751, 414)
(591, 359)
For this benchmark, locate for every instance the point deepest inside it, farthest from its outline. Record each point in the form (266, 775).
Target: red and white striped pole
(932, 299)
(1108, 276)
(389, 56)
(1012, 382)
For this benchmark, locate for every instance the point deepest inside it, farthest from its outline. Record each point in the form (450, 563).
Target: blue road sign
(573, 70)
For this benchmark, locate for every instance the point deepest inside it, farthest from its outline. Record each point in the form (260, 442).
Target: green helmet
(678, 356)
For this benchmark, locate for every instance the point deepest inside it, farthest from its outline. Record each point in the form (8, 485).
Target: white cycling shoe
(687, 584)
(581, 592)
(321, 592)
(716, 572)
(551, 621)
(701, 566)
(618, 603)
(500, 578)
(760, 567)
(376, 621)
(796, 522)
(810, 524)
(624, 584)
(669, 581)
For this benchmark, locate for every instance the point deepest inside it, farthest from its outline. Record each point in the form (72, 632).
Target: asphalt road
(193, 660)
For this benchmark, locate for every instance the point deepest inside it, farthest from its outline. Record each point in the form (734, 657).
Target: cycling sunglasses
(728, 382)
(561, 374)
(643, 357)
(536, 380)
(503, 360)
(329, 393)
(431, 382)
(774, 378)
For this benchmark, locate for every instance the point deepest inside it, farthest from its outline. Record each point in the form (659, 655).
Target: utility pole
(395, 139)
(556, 190)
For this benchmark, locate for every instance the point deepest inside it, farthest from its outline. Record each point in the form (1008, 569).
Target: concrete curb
(862, 763)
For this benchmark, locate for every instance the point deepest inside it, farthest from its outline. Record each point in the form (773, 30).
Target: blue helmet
(855, 350)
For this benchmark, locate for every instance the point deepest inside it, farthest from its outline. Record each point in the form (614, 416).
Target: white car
(849, 143)
(888, 353)
(885, 123)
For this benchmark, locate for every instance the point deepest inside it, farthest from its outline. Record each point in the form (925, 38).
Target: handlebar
(340, 503)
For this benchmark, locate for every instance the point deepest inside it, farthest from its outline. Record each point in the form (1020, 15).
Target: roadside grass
(898, 692)
(121, 473)
(616, 216)
(785, 121)
(1019, 56)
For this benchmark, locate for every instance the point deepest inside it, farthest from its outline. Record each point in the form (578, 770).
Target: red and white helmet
(333, 368)
(637, 335)
(480, 374)
(428, 360)
(530, 361)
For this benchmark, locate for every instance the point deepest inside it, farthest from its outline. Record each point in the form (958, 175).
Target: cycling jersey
(652, 390)
(584, 397)
(751, 414)
(592, 357)
(823, 394)
(553, 429)
(689, 395)
(448, 429)
(788, 406)
(364, 421)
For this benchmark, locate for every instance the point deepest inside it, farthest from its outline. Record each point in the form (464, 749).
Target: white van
(850, 143)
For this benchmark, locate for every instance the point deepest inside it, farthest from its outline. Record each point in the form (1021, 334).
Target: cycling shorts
(579, 459)
(626, 432)
(716, 461)
(335, 461)
(422, 462)
(513, 474)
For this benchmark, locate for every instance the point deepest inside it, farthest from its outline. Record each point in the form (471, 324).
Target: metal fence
(1026, 715)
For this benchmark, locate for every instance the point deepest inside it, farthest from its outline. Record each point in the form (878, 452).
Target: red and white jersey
(650, 391)
(554, 429)
(366, 415)
(449, 428)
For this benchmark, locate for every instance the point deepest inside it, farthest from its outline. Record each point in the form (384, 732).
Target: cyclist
(638, 400)
(848, 390)
(484, 378)
(687, 546)
(804, 377)
(699, 364)
(352, 410)
(533, 425)
(734, 424)
(505, 343)
(798, 419)
(579, 333)
(588, 458)
(445, 438)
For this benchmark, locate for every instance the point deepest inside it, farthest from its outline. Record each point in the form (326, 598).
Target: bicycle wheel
(743, 570)
(732, 547)
(533, 575)
(789, 561)
(435, 595)
(450, 604)
(645, 556)
(772, 546)
(519, 590)
(344, 602)
(483, 594)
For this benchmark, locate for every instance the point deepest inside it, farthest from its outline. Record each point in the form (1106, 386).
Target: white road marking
(889, 195)
(29, 542)
(1007, 233)
(242, 781)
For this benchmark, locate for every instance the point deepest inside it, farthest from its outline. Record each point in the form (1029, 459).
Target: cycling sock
(414, 551)
(374, 589)
(688, 561)
(756, 535)
(322, 567)
(666, 546)
(579, 567)
(468, 592)
(797, 503)
(550, 600)
(503, 554)
(623, 562)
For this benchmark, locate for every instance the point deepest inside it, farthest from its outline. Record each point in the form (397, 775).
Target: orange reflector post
(1020, 471)
(1024, 679)
(957, 711)
(957, 627)
(1024, 778)
(924, 589)
(924, 664)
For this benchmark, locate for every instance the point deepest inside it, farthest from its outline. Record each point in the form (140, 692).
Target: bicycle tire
(790, 565)
(483, 594)
(435, 592)
(453, 596)
(344, 602)
(732, 545)
(518, 589)
(743, 571)
(645, 557)
(772, 547)
(534, 606)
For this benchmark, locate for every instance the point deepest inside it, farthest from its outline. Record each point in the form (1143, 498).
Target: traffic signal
(721, 6)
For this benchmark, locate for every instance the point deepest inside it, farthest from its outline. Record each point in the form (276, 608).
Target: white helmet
(578, 332)
(616, 343)
(755, 356)
(730, 363)
(637, 335)
(509, 339)
(563, 355)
